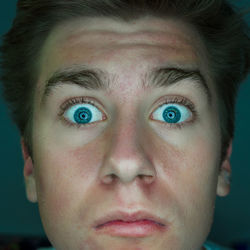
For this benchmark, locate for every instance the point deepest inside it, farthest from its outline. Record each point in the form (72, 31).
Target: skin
(70, 175)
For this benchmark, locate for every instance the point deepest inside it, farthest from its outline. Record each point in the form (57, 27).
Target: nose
(126, 157)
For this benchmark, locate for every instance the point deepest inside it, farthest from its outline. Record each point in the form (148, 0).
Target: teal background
(18, 216)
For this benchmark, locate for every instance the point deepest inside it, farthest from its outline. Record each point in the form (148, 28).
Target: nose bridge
(126, 158)
(125, 140)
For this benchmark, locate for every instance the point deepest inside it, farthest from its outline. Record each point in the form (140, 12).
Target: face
(112, 132)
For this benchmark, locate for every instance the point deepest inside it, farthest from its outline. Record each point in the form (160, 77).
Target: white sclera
(96, 113)
(185, 112)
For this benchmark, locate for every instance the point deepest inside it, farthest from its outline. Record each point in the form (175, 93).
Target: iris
(82, 115)
(171, 115)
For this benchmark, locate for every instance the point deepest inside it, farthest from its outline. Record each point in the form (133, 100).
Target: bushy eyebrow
(96, 79)
(163, 77)
(92, 79)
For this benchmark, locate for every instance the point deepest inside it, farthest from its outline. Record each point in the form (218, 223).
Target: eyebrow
(96, 79)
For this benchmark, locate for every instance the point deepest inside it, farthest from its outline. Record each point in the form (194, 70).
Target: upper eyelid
(80, 100)
(175, 99)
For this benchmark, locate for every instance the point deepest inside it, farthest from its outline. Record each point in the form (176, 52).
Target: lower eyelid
(78, 125)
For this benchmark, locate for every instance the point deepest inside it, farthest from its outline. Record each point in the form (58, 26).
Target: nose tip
(127, 171)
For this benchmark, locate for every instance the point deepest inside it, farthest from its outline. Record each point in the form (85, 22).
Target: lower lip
(141, 228)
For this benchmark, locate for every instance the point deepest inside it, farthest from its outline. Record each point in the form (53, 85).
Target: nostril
(108, 179)
(148, 179)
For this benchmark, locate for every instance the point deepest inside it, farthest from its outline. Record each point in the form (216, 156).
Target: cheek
(202, 165)
(187, 174)
(64, 171)
(189, 168)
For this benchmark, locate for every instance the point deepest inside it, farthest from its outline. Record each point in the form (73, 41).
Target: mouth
(139, 224)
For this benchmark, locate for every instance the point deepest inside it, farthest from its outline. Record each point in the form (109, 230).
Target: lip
(137, 224)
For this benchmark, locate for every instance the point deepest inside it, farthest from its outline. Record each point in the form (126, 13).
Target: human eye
(81, 111)
(175, 112)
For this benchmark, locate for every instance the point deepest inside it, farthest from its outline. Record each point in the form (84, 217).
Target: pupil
(171, 114)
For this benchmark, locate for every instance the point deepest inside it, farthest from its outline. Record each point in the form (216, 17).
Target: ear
(28, 172)
(223, 185)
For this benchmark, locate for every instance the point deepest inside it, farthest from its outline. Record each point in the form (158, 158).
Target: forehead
(95, 37)
(147, 30)
(123, 49)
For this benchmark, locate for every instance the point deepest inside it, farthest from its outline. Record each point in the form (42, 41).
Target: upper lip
(129, 217)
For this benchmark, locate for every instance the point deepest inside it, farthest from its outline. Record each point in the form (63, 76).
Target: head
(125, 105)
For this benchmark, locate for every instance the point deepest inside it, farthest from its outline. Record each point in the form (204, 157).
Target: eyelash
(84, 100)
(178, 100)
(77, 100)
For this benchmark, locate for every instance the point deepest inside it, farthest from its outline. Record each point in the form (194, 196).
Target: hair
(222, 29)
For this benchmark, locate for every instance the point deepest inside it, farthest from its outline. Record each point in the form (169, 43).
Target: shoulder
(209, 245)
(46, 248)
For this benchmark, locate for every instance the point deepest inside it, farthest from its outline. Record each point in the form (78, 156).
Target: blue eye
(171, 113)
(83, 114)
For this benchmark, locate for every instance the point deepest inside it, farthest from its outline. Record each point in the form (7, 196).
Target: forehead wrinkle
(142, 37)
(105, 30)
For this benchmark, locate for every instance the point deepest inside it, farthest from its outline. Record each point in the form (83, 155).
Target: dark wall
(18, 216)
